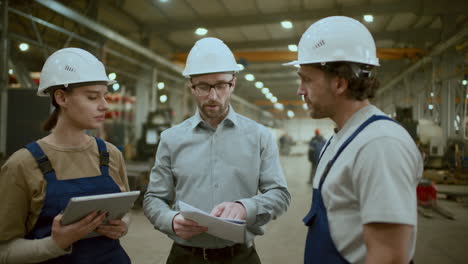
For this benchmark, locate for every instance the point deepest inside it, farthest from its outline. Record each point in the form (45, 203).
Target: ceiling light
(163, 1)
(369, 18)
(265, 90)
(241, 67)
(430, 107)
(10, 71)
(290, 114)
(432, 94)
(292, 48)
(279, 106)
(304, 106)
(112, 76)
(259, 85)
(24, 46)
(274, 99)
(201, 31)
(269, 96)
(163, 98)
(464, 82)
(249, 77)
(161, 85)
(286, 24)
(115, 86)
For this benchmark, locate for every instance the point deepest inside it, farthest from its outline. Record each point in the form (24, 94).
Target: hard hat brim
(291, 63)
(41, 91)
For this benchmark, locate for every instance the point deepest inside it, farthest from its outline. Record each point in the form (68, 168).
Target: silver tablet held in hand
(116, 204)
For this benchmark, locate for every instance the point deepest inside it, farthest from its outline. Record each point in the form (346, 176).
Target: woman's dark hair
(50, 123)
(361, 84)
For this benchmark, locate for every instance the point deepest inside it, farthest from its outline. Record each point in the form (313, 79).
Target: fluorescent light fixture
(369, 18)
(112, 76)
(304, 106)
(292, 47)
(457, 118)
(265, 90)
(290, 114)
(241, 67)
(10, 71)
(286, 24)
(163, 98)
(269, 96)
(115, 86)
(274, 99)
(161, 85)
(279, 106)
(259, 85)
(249, 77)
(201, 31)
(24, 46)
(430, 107)
(465, 82)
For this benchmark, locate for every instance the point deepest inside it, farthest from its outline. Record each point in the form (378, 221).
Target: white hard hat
(337, 38)
(210, 55)
(70, 66)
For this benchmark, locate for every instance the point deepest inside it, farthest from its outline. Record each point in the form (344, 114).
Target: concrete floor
(439, 240)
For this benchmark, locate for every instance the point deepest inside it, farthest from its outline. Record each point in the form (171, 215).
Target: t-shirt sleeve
(15, 197)
(387, 172)
(123, 171)
(117, 167)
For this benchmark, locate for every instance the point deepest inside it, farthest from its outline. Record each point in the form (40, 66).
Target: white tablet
(116, 204)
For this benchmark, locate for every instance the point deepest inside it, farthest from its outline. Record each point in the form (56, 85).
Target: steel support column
(3, 75)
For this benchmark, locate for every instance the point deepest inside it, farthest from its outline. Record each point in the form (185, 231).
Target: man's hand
(185, 228)
(115, 229)
(65, 235)
(230, 210)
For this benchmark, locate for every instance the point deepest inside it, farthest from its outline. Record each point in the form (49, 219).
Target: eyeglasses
(204, 89)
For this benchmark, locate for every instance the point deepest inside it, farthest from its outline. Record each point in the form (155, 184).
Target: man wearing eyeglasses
(218, 161)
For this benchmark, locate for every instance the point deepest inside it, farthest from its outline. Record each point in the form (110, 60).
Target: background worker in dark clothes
(315, 147)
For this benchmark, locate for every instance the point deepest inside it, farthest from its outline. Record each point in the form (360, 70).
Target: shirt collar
(356, 120)
(231, 119)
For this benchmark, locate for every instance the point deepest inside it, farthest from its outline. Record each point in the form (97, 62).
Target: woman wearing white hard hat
(36, 182)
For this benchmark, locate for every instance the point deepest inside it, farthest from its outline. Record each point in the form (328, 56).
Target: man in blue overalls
(364, 193)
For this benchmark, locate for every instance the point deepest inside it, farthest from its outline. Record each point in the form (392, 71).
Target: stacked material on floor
(459, 177)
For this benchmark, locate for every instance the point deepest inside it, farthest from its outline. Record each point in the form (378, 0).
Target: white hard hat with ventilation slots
(337, 38)
(210, 55)
(70, 66)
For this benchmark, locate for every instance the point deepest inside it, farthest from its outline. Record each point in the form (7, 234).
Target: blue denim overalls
(58, 192)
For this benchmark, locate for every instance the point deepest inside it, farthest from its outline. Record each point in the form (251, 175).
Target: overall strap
(103, 156)
(348, 140)
(42, 161)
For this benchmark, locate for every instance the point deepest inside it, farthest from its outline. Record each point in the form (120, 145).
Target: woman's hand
(66, 235)
(115, 229)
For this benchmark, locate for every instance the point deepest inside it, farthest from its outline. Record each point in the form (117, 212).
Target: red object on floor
(426, 192)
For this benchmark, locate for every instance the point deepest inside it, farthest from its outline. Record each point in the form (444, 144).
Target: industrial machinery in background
(155, 124)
